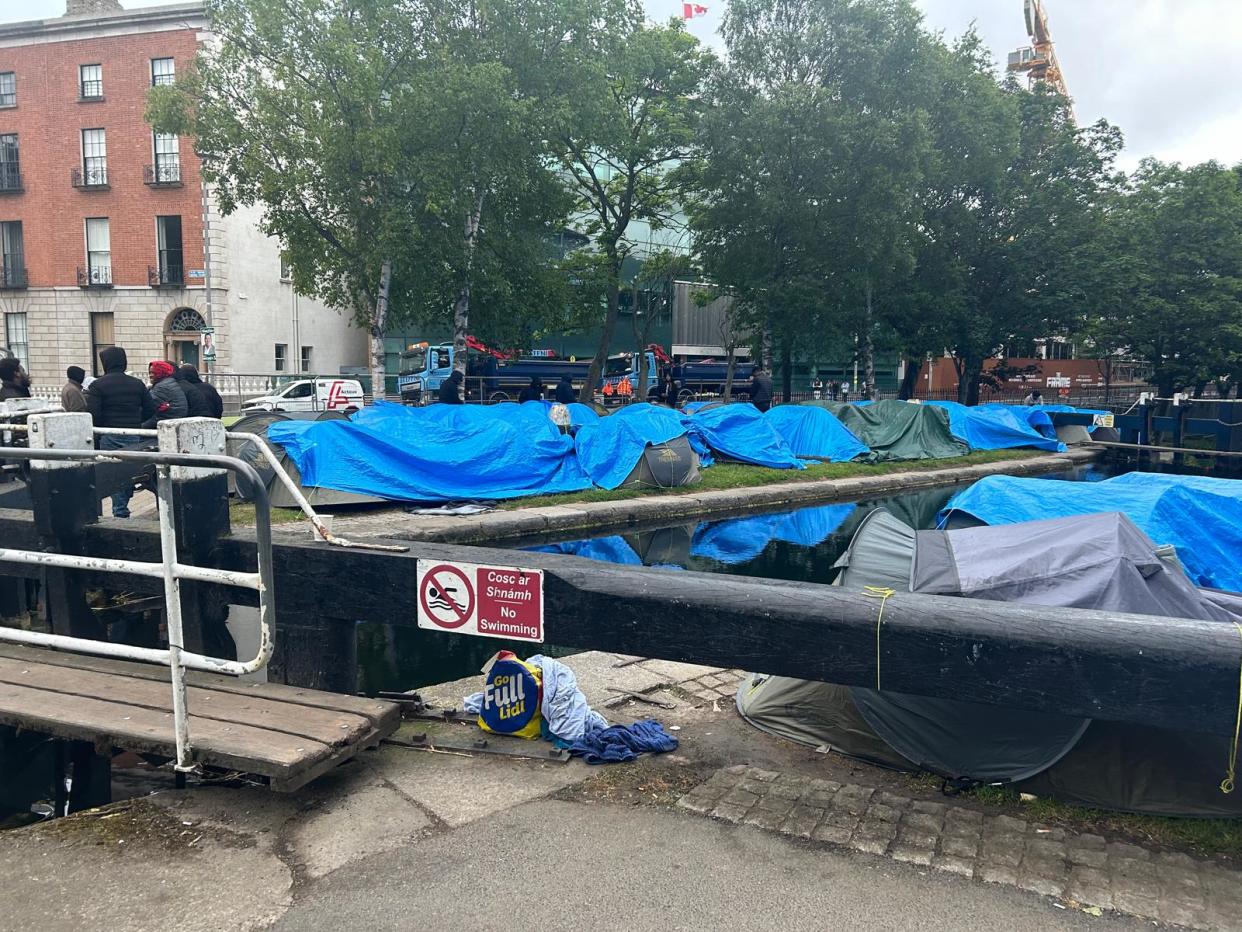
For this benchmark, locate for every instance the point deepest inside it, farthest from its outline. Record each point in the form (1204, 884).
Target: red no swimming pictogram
(446, 595)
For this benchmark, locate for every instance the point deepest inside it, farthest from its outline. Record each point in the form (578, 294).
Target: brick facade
(48, 118)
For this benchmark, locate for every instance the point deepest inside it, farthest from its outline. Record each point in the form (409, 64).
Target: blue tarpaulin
(612, 549)
(740, 432)
(580, 414)
(740, 540)
(1201, 517)
(610, 448)
(994, 427)
(816, 432)
(436, 454)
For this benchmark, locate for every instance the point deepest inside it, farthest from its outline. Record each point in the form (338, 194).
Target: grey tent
(664, 466)
(280, 497)
(1093, 561)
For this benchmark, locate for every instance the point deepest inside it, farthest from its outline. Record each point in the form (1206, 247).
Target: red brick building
(101, 219)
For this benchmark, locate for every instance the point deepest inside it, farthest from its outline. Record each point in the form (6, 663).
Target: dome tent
(640, 446)
(1097, 561)
(258, 424)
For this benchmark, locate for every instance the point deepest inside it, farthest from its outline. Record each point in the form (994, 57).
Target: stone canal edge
(653, 510)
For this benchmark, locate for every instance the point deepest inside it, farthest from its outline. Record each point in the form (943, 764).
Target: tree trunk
(461, 307)
(596, 371)
(786, 370)
(640, 340)
(730, 367)
(910, 380)
(765, 346)
(968, 371)
(379, 324)
(868, 345)
(1108, 379)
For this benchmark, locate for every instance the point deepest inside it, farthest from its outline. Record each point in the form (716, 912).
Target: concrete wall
(262, 308)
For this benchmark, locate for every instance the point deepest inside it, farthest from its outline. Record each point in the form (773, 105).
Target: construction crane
(1039, 59)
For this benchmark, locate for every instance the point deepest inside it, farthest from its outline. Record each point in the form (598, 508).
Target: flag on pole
(691, 10)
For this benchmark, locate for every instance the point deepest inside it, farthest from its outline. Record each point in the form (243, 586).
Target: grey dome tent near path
(1094, 561)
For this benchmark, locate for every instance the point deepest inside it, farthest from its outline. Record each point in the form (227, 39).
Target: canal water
(800, 545)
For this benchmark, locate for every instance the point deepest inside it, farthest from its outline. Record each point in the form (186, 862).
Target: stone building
(107, 233)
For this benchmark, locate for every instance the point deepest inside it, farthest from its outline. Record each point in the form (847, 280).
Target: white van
(310, 395)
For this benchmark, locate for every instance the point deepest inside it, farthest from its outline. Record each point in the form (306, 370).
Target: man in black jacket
(14, 382)
(760, 389)
(195, 399)
(565, 393)
(215, 404)
(166, 392)
(450, 389)
(116, 399)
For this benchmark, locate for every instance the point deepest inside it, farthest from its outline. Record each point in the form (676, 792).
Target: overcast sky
(1165, 71)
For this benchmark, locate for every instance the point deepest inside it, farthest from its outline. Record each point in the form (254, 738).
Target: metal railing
(164, 275)
(93, 176)
(170, 570)
(164, 173)
(10, 178)
(95, 276)
(13, 276)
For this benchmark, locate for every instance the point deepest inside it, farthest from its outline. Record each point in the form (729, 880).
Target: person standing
(215, 404)
(166, 393)
(117, 399)
(14, 381)
(73, 395)
(565, 393)
(195, 400)
(533, 391)
(760, 389)
(450, 389)
(845, 392)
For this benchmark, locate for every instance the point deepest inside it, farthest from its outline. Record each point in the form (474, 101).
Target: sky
(1165, 71)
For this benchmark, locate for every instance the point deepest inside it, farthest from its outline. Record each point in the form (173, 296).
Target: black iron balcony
(13, 276)
(91, 90)
(91, 179)
(165, 276)
(163, 174)
(10, 179)
(95, 276)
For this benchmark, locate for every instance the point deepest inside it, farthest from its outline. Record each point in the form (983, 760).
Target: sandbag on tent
(740, 540)
(897, 430)
(815, 432)
(994, 427)
(278, 494)
(438, 453)
(739, 432)
(1201, 517)
(645, 446)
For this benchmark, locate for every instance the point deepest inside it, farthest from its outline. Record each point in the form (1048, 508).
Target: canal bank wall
(586, 518)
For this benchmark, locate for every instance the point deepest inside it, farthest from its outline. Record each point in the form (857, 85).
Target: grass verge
(1205, 837)
(740, 476)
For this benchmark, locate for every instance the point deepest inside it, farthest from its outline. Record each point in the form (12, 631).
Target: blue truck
(491, 378)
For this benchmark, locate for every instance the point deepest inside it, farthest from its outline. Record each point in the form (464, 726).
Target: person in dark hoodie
(760, 389)
(533, 391)
(450, 389)
(565, 393)
(166, 392)
(195, 400)
(117, 399)
(215, 404)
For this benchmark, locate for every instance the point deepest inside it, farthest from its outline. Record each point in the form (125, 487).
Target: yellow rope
(881, 593)
(1227, 784)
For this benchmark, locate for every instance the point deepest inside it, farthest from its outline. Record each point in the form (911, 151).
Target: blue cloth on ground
(437, 453)
(994, 427)
(812, 431)
(622, 743)
(740, 432)
(610, 447)
(564, 708)
(1201, 517)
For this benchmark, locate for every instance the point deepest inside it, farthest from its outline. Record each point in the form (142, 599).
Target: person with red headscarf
(166, 392)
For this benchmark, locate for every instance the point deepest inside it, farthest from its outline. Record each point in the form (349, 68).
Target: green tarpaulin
(897, 430)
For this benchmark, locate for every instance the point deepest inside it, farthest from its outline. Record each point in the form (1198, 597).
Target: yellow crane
(1039, 59)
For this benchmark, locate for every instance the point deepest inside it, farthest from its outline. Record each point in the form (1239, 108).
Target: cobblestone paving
(711, 687)
(1083, 869)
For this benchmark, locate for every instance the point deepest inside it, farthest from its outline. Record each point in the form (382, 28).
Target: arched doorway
(182, 336)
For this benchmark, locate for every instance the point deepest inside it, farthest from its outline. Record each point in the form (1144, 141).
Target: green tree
(815, 152)
(1179, 233)
(631, 121)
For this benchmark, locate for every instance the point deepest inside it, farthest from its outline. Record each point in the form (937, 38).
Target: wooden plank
(328, 727)
(221, 744)
(381, 714)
